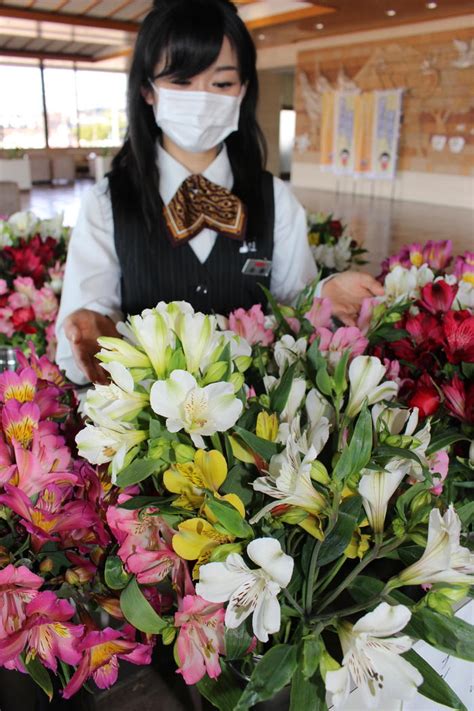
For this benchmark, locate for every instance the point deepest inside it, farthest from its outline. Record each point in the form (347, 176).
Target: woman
(187, 211)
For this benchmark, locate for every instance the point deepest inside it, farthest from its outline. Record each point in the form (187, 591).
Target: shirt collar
(172, 172)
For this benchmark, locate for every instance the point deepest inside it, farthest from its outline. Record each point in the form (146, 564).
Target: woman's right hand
(82, 328)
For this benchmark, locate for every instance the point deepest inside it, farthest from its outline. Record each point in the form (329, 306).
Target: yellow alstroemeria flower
(267, 426)
(359, 544)
(196, 540)
(191, 480)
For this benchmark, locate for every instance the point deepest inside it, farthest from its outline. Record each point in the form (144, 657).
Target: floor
(381, 226)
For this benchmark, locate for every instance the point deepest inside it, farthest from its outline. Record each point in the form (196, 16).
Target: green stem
(296, 606)
(372, 555)
(329, 577)
(311, 576)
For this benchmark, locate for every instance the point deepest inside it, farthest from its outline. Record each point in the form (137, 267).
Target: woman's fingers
(373, 286)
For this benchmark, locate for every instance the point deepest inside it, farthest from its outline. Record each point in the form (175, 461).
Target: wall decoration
(438, 97)
(438, 142)
(456, 144)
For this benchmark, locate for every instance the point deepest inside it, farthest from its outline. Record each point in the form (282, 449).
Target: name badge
(257, 267)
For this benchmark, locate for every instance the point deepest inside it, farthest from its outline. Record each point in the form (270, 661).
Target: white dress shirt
(92, 278)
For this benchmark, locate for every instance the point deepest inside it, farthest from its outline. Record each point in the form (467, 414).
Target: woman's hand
(347, 291)
(82, 328)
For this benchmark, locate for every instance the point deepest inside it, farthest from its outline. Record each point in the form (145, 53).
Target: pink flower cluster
(437, 255)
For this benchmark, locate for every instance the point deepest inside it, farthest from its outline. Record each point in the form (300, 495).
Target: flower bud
(215, 372)
(4, 557)
(439, 603)
(183, 452)
(264, 400)
(168, 635)
(319, 473)
(398, 527)
(402, 441)
(243, 363)
(267, 426)
(111, 605)
(393, 317)
(46, 565)
(420, 501)
(72, 577)
(97, 554)
(293, 516)
(237, 380)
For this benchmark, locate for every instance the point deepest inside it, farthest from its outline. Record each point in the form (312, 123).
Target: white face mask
(196, 120)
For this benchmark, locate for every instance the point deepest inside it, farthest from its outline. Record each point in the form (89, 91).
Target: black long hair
(188, 35)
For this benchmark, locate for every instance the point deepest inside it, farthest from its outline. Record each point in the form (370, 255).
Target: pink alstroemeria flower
(438, 255)
(43, 367)
(438, 464)
(146, 547)
(45, 524)
(6, 323)
(18, 587)
(19, 386)
(320, 312)
(26, 287)
(46, 633)
(200, 638)
(333, 345)
(19, 421)
(251, 325)
(101, 653)
(37, 469)
(464, 267)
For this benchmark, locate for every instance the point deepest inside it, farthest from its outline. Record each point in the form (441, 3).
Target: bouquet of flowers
(32, 257)
(333, 250)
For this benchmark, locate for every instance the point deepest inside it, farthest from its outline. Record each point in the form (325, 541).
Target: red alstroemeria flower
(22, 320)
(438, 296)
(426, 398)
(459, 399)
(458, 327)
(101, 653)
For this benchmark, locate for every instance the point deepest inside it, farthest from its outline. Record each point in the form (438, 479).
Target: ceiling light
(319, 26)
(261, 36)
(391, 13)
(431, 5)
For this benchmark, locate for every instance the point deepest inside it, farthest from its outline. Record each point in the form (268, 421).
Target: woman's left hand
(347, 290)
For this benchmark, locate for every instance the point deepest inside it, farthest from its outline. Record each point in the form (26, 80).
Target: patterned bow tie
(197, 204)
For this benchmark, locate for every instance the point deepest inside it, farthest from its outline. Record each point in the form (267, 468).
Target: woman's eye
(181, 82)
(224, 84)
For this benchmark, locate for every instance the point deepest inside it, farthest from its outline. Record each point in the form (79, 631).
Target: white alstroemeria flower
(171, 310)
(117, 350)
(372, 658)
(199, 411)
(52, 227)
(444, 560)
(376, 489)
(249, 591)
(394, 419)
(154, 336)
(239, 346)
(118, 400)
(314, 436)
(295, 396)
(289, 482)
(22, 224)
(365, 374)
(402, 283)
(197, 333)
(464, 296)
(342, 253)
(108, 441)
(288, 350)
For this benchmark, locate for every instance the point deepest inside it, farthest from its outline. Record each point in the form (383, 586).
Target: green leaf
(273, 672)
(313, 648)
(324, 381)
(443, 440)
(434, 686)
(307, 694)
(223, 692)
(340, 381)
(364, 588)
(114, 573)
(281, 321)
(389, 452)
(357, 454)
(466, 513)
(448, 634)
(404, 500)
(340, 536)
(229, 518)
(141, 502)
(237, 483)
(263, 447)
(40, 675)
(138, 611)
(137, 471)
(279, 395)
(237, 641)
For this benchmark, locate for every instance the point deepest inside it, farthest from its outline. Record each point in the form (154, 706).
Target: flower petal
(384, 621)
(267, 553)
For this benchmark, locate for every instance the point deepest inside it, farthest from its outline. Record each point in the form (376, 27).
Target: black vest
(153, 270)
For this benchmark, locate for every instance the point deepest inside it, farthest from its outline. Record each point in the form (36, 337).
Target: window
(101, 100)
(60, 89)
(21, 108)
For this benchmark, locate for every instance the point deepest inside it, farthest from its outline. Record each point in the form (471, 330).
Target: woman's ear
(148, 94)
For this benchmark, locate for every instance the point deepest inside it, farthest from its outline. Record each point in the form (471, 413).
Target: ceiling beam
(32, 54)
(68, 19)
(292, 16)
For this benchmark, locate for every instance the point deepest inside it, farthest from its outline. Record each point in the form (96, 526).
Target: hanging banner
(327, 131)
(343, 162)
(363, 133)
(388, 109)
